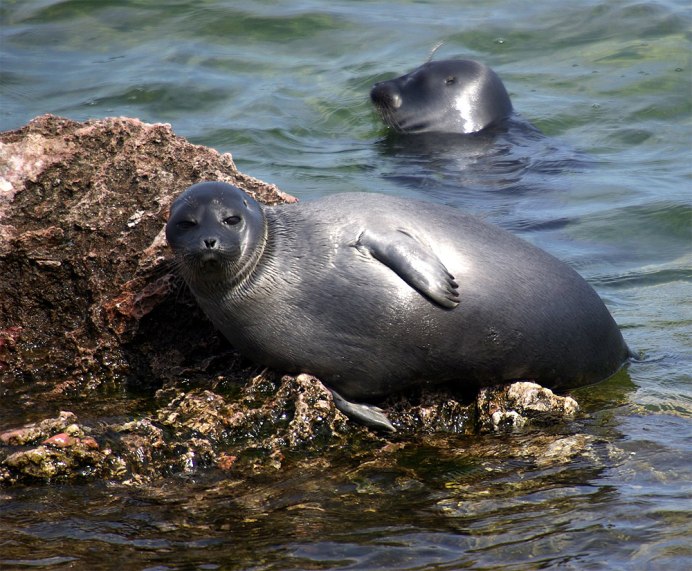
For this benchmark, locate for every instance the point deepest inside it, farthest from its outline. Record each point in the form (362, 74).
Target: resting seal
(374, 294)
(447, 96)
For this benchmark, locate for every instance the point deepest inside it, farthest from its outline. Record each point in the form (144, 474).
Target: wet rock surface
(253, 432)
(103, 349)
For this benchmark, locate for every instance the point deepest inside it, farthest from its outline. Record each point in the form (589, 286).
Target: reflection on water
(512, 159)
(604, 186)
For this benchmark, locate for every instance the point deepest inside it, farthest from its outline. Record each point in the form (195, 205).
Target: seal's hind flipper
(365, 413)
(413, 262)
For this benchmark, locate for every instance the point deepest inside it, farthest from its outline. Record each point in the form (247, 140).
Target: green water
(284, 86)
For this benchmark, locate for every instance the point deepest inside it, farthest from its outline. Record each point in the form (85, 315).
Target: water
(283, 86)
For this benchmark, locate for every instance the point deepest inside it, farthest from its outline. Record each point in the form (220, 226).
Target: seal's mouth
(413, 128)
(202, 263)
(403, 125)
(210, 260)
(400, 120)
(391, 119)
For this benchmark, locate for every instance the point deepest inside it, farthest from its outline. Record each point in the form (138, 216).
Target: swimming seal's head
(217, 232)
(447, 96)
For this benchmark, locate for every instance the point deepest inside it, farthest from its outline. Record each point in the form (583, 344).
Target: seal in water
(374, 294)
(446, 96)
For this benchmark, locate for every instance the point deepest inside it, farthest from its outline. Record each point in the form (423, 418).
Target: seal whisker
(434, 49)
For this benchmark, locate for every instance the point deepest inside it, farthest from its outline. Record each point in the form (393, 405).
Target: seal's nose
(210, 243)
(385, 95)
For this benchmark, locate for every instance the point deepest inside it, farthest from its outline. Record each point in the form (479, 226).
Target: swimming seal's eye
(186, 224)
(451, 80)
(231, 220)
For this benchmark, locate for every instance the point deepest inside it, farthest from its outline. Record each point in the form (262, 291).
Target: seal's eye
(451, 80)
(185, 224)
(231, 220)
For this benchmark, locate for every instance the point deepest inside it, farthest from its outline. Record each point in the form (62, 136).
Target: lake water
(283, 86)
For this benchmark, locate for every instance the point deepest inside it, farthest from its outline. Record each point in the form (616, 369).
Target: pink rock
(61, 440)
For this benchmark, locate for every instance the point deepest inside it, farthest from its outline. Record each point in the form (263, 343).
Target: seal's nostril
(385, 95)
(210, 243)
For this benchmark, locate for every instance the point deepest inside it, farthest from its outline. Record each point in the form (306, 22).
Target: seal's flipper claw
(414, 262)
(365, 413)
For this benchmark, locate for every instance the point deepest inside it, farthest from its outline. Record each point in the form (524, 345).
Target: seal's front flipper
(365, 413)
(413, 262)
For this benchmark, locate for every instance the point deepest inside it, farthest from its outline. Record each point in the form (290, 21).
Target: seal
(446, 96)
(375, 294)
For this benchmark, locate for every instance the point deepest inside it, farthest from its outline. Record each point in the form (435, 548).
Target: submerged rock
(92, 316)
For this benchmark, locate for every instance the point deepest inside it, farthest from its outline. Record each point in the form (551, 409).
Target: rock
(65, 452)
(37, 431)
(86, 271)
(512, 406)
(432, 411)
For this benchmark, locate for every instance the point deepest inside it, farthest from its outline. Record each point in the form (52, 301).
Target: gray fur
(375, 294)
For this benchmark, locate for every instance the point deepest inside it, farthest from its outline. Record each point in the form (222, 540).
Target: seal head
(218, 233)
(447, 96)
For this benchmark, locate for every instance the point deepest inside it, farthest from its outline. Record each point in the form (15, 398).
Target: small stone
(226, 461)
(90, 443)
(62, 440)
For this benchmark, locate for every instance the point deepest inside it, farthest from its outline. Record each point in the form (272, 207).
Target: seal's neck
(251, 260)
(276, 231)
